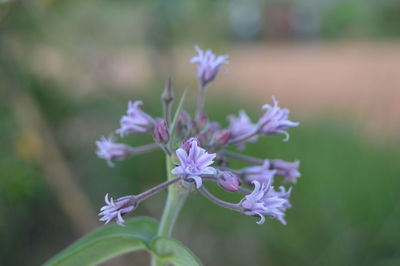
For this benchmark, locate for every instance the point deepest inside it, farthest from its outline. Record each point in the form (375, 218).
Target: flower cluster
(197, 146)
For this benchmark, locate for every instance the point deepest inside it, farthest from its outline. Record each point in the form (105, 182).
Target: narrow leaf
(177, 112)
(107, 242)
(171, 251)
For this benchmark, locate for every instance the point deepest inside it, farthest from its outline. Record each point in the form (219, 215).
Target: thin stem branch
(167, 99)
(144, 149)
(244, 191)
(244, 158)
(200, 100)
(218, 201)
(175, 200)
(243, 138)
(156, 189)
(250, 135)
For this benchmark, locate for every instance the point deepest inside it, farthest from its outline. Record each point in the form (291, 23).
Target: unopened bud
(188, 144)
(168, 94)
(202, 121)
(222, 137)
(229, 181)
(161, 134)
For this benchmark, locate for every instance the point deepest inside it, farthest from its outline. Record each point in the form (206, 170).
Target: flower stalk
(176, 197)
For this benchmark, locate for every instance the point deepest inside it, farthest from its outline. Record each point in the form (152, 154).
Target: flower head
(208, 65)
(136, 121)
(289, 170)
(264, 200)
(114, 210)
(241, 126)
(275, 120)
(260, 173)
(194, 162)
(110, 151)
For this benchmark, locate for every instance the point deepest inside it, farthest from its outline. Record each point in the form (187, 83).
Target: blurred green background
(68, 68)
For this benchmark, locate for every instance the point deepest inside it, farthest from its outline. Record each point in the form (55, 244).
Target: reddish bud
(229, 181)
(161, 134)
(222, 137)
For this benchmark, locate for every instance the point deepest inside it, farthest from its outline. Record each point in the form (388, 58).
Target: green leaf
(177, 112)
(107, 242)
(172, 251)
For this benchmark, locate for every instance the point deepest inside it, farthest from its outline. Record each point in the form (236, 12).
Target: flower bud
(202, 121)
(229, 181)
(187, 145)
(222, 137)
(160, 132)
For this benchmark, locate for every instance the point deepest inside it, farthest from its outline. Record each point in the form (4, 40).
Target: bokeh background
(68, 68)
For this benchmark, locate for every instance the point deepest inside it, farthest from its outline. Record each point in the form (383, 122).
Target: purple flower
(208, 65)
(260, 173)
(289, 170)
(229, 181)
(242, 126)
(264, 200)
(110, 151)
(115, 209)
(194, 162)
(136, 121)
(275, 120)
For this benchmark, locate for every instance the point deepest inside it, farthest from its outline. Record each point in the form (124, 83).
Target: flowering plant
(196, 153)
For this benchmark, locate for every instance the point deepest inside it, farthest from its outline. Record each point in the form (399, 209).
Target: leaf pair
(112, 240)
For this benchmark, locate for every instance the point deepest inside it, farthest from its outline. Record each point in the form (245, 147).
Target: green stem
(175, 199)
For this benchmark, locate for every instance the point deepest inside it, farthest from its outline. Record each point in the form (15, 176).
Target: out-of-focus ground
(353, 78)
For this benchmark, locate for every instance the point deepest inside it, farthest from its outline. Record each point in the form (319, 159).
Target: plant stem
(211, 197)
(244, 158)
(200, 101)
(175, 199)
(156, 189)
(143, 149)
